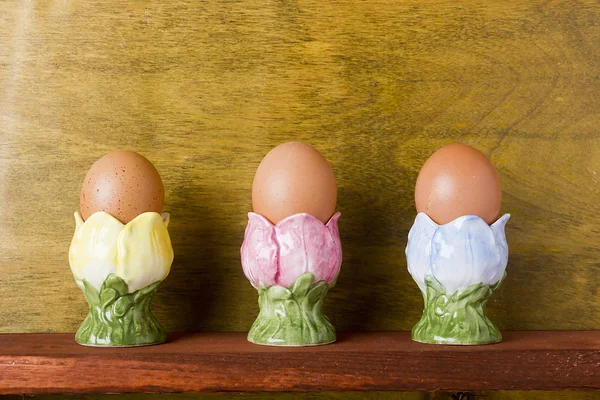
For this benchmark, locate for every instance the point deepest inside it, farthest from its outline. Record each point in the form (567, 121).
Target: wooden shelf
(225, 362)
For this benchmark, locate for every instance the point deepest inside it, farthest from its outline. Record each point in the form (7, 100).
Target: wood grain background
(205, 88)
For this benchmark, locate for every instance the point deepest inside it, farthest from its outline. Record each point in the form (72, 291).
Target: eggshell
(458, 180)
(124, 184)
(294, 178)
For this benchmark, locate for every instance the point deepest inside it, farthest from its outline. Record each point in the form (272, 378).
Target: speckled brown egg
(124, 184)
(458, 180)
(294, 178)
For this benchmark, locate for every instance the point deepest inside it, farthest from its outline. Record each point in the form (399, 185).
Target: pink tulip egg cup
(292, 265)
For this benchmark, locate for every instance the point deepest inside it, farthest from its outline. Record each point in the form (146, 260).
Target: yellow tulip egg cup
(119, 268)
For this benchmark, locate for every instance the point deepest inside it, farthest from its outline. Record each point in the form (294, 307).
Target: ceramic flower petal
(500, 235)
(336, 248)
(306, 245)
(260, 255)
(139, 252)
(418, 250)
(457, 254)
(93, 251)
(299, 244)
(145, 254)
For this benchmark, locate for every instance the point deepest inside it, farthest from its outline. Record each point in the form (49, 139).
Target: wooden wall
(205, 88)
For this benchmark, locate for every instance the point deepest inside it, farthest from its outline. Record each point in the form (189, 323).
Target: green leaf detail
(123, 305)
(114, 282)
(293, 317)
(317, 292)
(292, 309)
(91, 294)
(107, 296)
(457, 318)
(118, 318)
(278, 293)
(300, 287)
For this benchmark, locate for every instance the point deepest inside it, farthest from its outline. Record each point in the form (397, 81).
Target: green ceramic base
(457, 318)
(118, 318)
(294, 316)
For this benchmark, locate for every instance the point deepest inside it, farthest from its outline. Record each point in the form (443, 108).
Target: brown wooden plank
(388, 361)
(260, 396)
(496, 395)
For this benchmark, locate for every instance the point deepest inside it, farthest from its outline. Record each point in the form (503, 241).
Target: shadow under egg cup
(292, 265)
(457, 266)
(119, 268)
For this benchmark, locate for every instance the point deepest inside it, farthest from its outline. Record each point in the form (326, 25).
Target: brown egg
(124, 184)
(458, 180)
(294, 178)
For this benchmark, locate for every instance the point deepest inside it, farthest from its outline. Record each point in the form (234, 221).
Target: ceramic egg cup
(457, 267)
(119, 268)
(292, 265)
